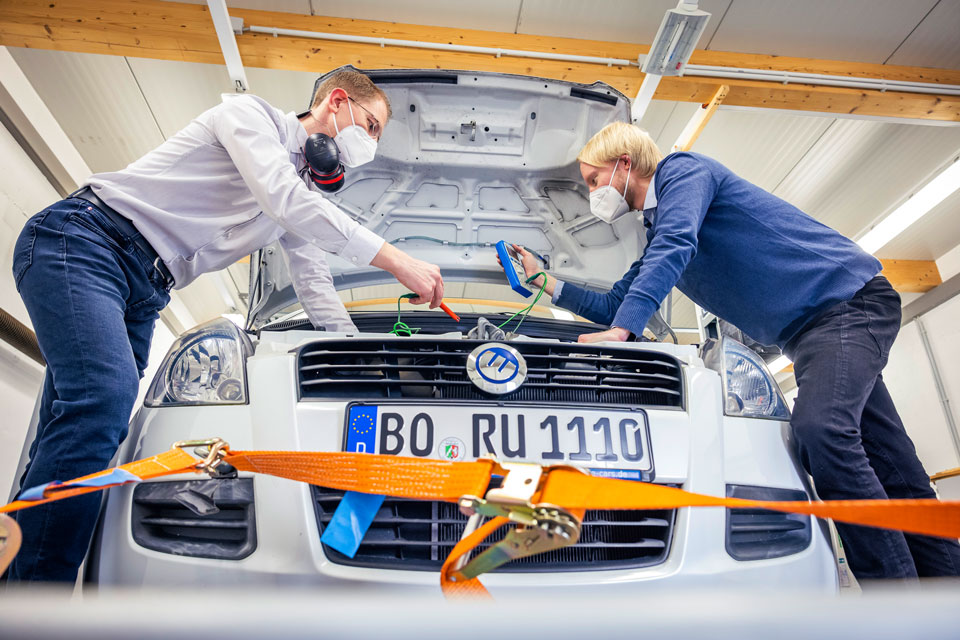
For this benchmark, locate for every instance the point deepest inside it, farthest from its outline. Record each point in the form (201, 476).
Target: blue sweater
(734, 249)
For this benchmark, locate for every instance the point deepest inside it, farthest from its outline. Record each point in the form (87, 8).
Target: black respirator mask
(323, 162)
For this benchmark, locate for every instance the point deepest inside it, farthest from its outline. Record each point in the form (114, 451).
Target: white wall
(23, 192)
(909, 377)
(943, 329)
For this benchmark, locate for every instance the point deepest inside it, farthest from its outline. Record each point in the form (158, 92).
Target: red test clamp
(443, 306)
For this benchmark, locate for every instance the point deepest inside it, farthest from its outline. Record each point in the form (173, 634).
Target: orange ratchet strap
(164, 464)
(546, 504)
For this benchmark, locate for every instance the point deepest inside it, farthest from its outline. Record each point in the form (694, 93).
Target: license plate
(609, 442)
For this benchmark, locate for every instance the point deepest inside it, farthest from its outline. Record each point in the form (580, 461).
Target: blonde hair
(358, 85)
(618, 138)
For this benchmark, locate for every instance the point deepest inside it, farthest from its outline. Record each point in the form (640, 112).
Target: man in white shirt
(94, 271)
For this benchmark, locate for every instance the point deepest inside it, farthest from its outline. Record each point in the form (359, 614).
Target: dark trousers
(93, 298)
(850, 436)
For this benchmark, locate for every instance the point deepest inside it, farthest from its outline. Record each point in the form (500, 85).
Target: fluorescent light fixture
(917, 206)
(779, 364)
(676, 39)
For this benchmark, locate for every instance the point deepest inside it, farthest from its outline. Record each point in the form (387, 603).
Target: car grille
(417, 535)
(761, 534)
(197, 518)
(436, 370)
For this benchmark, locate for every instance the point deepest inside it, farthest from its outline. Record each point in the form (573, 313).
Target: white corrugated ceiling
(857, 30)
(904, 32)
(199, 87)
(935, 42)
(930, 237)
(98, 103)
(859, 170)
(764, 145)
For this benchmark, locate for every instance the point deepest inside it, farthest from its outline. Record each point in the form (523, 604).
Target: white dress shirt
(229, 184)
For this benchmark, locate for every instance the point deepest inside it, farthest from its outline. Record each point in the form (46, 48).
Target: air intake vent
(166, 518)
(432, 369)
(759, 534)
(417, 535)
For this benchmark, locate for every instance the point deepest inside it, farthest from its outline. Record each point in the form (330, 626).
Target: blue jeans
(850, 437)
(93, 298)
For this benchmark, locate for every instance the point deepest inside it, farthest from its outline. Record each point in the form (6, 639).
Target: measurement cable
(401, 328)
(526, 311)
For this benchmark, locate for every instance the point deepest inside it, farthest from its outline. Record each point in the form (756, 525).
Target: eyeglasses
(374, 127)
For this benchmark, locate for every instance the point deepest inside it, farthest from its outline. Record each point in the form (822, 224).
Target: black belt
(127, 228)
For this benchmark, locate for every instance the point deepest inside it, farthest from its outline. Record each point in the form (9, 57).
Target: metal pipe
(438, 46)
(20, 337)
(845, 116)
(698, 70)
(796, 77)
(938, 384)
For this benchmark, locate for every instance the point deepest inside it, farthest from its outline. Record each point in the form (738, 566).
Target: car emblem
(496, 368)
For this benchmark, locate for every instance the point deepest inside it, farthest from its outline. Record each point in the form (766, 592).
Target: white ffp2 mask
(354, 143)
(607, 203)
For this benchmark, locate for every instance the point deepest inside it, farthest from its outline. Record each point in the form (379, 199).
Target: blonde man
(94, 271)
(785, 279)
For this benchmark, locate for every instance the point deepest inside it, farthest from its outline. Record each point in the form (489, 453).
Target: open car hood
(468, 159)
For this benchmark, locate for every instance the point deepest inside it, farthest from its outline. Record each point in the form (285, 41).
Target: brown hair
(358, 85)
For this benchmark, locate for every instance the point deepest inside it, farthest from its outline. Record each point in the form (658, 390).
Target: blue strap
(117, 476)
(36, 493)
(350, 521)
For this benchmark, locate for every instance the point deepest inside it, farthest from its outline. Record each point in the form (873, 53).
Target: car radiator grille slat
(435, 369)
(417, 535)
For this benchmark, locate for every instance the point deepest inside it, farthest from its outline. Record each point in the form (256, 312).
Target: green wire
(525, 312)
(402, 328)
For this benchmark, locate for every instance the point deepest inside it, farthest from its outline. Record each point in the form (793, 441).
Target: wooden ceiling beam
(179, 31)
(698, 122)
(912, 276)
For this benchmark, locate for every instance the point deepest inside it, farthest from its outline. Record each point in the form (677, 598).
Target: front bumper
(698, 449)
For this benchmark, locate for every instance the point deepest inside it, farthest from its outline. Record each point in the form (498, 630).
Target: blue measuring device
(513, 267)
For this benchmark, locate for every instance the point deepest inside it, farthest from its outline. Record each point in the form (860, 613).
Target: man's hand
(420, 277)
(531, 267)
(613, 334)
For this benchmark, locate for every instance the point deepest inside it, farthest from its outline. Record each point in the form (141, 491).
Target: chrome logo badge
(496, 368)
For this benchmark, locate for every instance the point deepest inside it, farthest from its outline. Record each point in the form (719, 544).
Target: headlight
(206, 365)
(749, 388)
